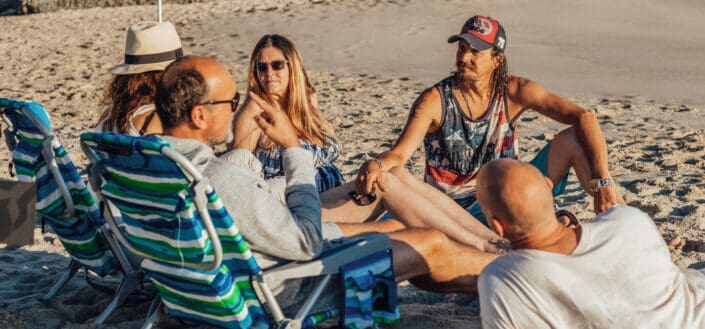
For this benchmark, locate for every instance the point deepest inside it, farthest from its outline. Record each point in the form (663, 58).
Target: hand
(606, 197)
(275, 123)
(368, 177)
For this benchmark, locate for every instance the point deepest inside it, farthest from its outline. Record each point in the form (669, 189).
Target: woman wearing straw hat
(129, 98)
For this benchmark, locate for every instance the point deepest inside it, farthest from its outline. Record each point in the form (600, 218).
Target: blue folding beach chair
(63, 200)
(162, 208)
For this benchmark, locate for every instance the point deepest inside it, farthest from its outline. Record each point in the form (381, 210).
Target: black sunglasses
(233, 102)
(275, 65)
(363, 200)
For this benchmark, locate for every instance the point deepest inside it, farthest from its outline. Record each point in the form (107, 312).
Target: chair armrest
(330, 260)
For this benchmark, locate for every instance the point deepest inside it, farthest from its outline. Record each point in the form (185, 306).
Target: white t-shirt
(619, 276)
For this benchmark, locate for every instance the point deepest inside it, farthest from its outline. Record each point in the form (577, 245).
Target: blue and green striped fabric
(80, 234)
(370, 292)
(156, 204)
(157, 207)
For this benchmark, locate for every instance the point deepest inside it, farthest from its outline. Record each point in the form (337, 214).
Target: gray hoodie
(276, 232)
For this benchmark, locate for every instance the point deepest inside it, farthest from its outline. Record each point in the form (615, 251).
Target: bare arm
(531, 95)
(587, 129)
(424, 116)
(246, 133)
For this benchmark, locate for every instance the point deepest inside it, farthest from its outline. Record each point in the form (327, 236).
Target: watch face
(599, 183)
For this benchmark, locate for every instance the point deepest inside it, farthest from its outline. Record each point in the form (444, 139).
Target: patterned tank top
(460, 146)
(327, 174)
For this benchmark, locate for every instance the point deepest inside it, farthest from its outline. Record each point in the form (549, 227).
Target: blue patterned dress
(328, 175)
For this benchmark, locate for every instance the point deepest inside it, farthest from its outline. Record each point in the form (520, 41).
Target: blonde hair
(306, 118)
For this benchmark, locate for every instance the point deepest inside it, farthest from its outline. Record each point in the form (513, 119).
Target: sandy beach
(636, 64)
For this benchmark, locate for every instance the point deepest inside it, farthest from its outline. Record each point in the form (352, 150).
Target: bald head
(515, 193)
(187, 82)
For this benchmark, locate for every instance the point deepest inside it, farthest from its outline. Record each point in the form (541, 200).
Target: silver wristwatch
(598, 183)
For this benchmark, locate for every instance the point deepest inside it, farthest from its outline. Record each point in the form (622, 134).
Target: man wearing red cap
(471, 118)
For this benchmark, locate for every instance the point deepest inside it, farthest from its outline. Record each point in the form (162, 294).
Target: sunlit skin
(221, 86)
(475, 67)
(210, 124)
(273, 82)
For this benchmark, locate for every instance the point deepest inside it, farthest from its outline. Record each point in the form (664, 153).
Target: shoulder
(523, 93)
(499, 271)
(626, 217)
(431, 94)
(624, 223)
(520, 88)
(228, 176)
(622, 213)
(428, 100)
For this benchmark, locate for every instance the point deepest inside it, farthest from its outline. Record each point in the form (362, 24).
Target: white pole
(159, 9)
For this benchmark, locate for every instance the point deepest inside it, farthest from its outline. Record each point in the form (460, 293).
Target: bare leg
(387, 226)
(420, 205)
(415, 204)
(566, 152)
(433, 261)
(337, 206)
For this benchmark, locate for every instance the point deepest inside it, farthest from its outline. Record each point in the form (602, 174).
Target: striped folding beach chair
(63, 200)
(162, 208)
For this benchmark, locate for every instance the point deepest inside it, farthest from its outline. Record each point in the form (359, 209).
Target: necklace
(467, 104)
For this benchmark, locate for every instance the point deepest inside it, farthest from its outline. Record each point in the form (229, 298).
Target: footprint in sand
(650, 209)
(684, 211)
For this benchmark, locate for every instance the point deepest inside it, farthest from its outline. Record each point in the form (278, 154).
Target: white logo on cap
(482, 26)
(500, 43)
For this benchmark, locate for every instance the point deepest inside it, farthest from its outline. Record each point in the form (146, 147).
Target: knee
(398, 171)
(434, 242)
(419, 247)
(567, 139)
(401, 173)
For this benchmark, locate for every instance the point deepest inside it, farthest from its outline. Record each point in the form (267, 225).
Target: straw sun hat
(150, 46)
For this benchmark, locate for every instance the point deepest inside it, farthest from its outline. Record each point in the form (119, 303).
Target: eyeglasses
(233, 102)
(275, 65)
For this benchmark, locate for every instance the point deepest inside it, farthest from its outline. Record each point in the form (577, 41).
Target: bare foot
(677, 243)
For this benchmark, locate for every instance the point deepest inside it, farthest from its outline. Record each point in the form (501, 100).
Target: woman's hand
(275, 123)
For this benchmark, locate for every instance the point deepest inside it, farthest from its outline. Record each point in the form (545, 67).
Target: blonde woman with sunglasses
(277, 75)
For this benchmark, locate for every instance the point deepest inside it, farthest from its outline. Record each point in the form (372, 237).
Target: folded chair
(162, 208)
(63, 200)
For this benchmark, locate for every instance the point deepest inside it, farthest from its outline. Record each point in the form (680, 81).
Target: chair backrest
(154, 195)
(63, 199)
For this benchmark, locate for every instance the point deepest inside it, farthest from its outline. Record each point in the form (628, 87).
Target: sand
(636, 64)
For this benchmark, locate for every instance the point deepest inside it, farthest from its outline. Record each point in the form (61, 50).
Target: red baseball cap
(482, 32)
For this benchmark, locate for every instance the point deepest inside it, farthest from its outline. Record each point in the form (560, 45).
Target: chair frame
(325, 266)
(132, 279)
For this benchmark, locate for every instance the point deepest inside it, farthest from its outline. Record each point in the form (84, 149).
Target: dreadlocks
(500, 76)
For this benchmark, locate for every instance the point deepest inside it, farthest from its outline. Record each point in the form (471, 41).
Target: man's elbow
(587, 119)
(312, 242)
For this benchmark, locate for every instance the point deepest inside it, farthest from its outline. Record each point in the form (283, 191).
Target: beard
(217, 140)
(461, 78)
